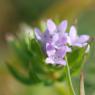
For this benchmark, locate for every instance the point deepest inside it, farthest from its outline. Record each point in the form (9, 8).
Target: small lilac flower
(59, 34)
(55, 56)
(52, 32)
(46, 36)
(75, 40)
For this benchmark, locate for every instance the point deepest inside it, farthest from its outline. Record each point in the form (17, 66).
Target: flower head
(55, 41)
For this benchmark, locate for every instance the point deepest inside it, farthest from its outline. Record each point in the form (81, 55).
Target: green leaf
(30, 58)
(37, 56)
(20, 51)
(76, 59)
(21, 77)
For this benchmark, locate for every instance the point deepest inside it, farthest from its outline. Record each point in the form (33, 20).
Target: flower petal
(46, 36)
(51, 26)
(60, 53)
(55, 37)
(78, 45)
(38, 34)
(73, 34)
(61, 62)
(83, 39)
(50, 49)
(68, 49)
(69, 40)
(63, 26)
(60, 42)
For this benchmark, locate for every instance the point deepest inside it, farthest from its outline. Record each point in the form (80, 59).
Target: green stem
(69, 77)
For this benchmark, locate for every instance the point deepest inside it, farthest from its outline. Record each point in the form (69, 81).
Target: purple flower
(55, 56)
(52, 32)
(46, 36)
(75, 40)
(55, 41)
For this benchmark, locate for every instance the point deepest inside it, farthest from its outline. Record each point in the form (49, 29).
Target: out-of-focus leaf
(21, 77)
(76, 59)
(29, 57)
(21, 52)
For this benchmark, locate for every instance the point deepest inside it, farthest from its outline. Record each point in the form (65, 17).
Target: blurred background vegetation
(14, 12)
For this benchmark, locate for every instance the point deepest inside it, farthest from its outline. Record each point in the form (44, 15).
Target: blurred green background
(14, 12)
